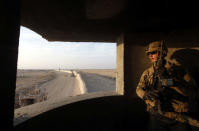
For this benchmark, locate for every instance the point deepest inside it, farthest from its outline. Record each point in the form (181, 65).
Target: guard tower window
(50, 73)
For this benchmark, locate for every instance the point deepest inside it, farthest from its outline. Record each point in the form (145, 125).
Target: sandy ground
(64, 90)
(63, 86)
(28, 85)
(31, 78)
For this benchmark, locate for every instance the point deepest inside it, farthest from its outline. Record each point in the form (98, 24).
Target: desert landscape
(37, 90)
(28, 84)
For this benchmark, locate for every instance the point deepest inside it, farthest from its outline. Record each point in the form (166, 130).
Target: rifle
(160, 84)
(159, 75)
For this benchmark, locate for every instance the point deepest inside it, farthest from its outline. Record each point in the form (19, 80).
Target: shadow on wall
(188, 58)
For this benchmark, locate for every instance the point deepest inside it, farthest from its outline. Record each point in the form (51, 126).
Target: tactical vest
(175, 98)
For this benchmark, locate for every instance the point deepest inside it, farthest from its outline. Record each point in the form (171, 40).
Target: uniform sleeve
(141, 85)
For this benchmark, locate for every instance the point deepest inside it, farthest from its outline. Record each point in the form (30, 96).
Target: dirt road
(64, 85)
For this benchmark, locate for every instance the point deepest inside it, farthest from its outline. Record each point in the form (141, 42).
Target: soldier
(169, 92)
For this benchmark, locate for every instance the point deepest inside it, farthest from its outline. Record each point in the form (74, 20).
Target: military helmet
(156, 46)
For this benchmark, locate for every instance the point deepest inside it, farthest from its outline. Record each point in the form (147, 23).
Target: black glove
(151, 94)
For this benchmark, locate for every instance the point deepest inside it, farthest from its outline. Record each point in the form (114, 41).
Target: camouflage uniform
(183, 86)
(181, 95)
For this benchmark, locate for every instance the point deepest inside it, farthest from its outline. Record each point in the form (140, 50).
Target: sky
(36, 52)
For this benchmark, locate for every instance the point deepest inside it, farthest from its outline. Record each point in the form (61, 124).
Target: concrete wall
(81, 83)
(135, 63)
(9, 38)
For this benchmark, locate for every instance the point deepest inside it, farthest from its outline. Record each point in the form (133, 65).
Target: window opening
(51, 72)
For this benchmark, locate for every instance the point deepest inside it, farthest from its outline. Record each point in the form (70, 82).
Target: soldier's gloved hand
(150, 95)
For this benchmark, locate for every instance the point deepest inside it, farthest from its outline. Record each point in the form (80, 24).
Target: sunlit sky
(36, 52)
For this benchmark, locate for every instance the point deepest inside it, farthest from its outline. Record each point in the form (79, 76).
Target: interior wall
(188, 58)
(135, 63)
(9, 38)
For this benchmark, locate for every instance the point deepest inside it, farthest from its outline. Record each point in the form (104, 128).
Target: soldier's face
(153, 56)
